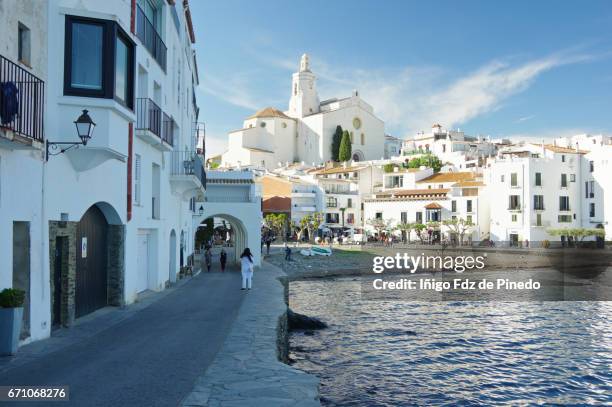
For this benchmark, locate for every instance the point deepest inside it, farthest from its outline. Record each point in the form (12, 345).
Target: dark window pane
(86, 66)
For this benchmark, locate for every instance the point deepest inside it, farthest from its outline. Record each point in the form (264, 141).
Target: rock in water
(303, 322)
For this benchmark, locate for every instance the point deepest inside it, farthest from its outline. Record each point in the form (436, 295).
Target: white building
(393, 146)
(450, 146)
(538, 187)
(419, 196)
(98, 224)
(343, 187)
(304, 132)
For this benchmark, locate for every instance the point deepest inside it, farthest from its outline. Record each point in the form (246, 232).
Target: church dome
(269, 112)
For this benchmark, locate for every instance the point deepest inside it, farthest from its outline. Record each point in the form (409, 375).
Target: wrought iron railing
(22, 101)
(188, 163)
(150, 38)
(148, 116)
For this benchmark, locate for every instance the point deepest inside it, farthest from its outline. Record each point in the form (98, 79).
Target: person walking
(268, 243)
(246, 268)
(208, 258)
(287, 252)
(223, 259)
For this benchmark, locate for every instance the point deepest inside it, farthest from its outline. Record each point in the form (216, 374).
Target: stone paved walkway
(147, 354)
(246, 371)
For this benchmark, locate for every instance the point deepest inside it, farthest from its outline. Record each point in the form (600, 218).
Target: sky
(530, 69)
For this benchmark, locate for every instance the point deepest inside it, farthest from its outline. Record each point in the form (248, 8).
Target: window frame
(111, 32)
(24, 44)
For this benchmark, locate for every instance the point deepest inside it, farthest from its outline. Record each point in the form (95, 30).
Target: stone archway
(358, 155)
(87, 259)
(238, 236)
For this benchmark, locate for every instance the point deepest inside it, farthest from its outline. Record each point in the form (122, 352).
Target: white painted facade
(140, 169)
(304, 133)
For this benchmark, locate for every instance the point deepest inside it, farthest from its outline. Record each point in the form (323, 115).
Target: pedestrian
(287, 252)
(208, 258)
(268, 243)
(223, 259)
(246, 263)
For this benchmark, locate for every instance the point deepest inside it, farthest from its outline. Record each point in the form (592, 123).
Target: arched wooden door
(91, 262)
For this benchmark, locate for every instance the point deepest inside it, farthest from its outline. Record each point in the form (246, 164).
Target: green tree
(276, 222)
(427, 160)
(419, 228)
(379, 224)
(345, 147)
(389, 167)
(406, 229)
(459, 227)
(336, 140)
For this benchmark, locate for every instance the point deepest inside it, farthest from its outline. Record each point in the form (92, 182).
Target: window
(469, 205)
(514, 202)
(564, 218)
(98, 60)
(350, 218)
(591, 166)
(263, 124)
(349, 203)
(502, 178)
(562, 158)
(564, 203)
(586, 189)
(404, 217)
(122, 70)
(332, 217)
(513, 180)
(538, 219)
(468, 218)
(572, 177)
(538, 202)
(378, 215)
(23, 44)
(592, 210)
(419, 217)
(137, 177)
(453, 206)
(538, 179)
(352, 138)
(591, 189)
(563, 180)
(362, 139)
(151, 12)
(332, 202)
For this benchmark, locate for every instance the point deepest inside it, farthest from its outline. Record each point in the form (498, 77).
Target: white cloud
(525, 118)
(233, 89)
(215, 144)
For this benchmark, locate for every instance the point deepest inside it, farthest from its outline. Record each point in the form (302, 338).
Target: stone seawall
(249, 368)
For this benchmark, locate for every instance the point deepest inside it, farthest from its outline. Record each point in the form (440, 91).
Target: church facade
(304, 132)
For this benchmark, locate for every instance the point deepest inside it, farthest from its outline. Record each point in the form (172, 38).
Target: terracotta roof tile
(448, 177)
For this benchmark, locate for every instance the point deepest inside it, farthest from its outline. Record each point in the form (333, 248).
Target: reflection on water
(389, 353)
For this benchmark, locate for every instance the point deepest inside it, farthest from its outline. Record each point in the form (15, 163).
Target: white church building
(304, 132)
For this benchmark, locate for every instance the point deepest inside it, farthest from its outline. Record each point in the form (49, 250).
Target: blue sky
(512, 68)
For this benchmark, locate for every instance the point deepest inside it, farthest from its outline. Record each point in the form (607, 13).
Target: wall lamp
(85, 127)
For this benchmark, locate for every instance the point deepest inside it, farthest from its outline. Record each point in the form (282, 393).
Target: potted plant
(11, 315)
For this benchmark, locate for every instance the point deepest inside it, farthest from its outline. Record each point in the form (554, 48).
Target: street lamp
(84, 126)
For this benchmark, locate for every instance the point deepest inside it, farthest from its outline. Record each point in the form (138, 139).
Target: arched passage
(87, 258)
(223, 231)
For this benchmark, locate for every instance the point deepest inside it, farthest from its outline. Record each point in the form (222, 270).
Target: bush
(545, 244)
(11, 298)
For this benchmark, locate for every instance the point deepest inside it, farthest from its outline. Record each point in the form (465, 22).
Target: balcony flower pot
(11, 315)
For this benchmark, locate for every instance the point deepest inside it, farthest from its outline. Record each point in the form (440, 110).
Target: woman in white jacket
(246, 262)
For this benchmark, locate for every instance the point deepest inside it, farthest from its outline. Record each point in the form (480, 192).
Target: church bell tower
(304, 98)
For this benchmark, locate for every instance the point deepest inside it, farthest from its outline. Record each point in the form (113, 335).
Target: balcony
(22, 100)
(304, 208)
(303, 194)
(186, 173)
(150, 38)
(153, 125)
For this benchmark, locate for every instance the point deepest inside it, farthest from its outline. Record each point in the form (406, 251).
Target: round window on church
(263, 124)
(357, 123)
